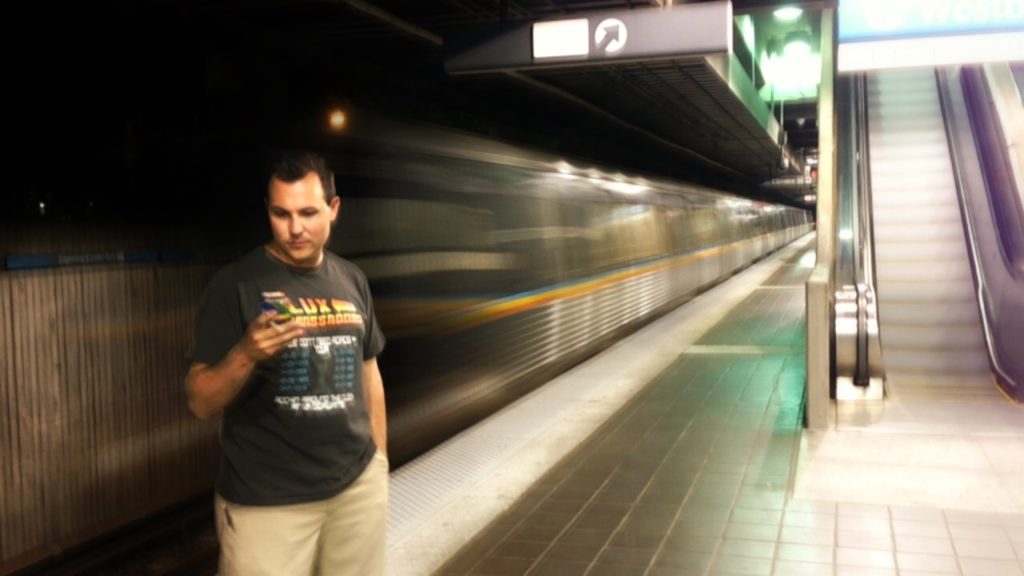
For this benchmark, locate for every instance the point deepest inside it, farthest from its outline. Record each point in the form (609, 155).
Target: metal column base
(847, 390)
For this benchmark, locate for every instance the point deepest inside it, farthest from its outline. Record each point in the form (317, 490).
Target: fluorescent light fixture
(798, 43)
(564, 170)
(787, 13)
(929, 52)
(846, 234)
(792, 75)
(561, 38)
(796, 47)
(624, 187)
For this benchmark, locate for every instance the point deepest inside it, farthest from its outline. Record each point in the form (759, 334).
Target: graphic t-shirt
(299, 430)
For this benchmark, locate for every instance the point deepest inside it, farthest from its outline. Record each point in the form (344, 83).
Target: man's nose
(295, 227)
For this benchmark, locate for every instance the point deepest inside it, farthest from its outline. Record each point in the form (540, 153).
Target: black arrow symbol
(611, 34)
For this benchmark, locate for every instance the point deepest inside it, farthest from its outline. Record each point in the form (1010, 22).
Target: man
(286, 347)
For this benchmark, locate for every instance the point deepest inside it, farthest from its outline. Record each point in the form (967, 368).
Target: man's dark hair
(293, 166)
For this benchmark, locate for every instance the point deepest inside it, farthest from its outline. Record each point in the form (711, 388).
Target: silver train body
(494, 268)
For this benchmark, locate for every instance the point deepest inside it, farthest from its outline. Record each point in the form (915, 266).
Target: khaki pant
(339, 536)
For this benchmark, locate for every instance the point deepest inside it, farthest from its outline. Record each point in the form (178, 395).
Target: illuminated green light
(796, 48)
(793, 75)
(787, 13)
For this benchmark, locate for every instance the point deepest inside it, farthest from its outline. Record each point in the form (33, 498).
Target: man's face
(300, 220)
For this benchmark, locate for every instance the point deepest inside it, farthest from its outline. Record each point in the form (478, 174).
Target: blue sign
(879, 19)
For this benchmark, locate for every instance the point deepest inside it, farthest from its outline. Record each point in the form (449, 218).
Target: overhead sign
(610, 36)
(596, 37)
(875, 34)
(888, 19)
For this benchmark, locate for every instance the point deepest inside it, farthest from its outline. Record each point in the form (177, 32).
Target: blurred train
(494, 268)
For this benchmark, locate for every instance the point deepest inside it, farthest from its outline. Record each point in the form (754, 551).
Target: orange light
(337, 119)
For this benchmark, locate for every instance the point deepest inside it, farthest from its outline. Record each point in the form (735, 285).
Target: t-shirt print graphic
(323, 313)
(318, 372)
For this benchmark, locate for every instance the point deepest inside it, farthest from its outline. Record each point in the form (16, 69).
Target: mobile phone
(278, 302)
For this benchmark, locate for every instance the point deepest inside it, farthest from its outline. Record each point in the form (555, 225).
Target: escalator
(929, 268)
(932, 337)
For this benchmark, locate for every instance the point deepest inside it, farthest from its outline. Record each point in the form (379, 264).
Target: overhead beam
(679, 149)
(594, 38)
(385, 16)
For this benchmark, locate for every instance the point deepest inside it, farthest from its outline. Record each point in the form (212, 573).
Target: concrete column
(820, 406)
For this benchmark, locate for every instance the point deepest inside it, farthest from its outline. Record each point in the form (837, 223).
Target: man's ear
(335, 209)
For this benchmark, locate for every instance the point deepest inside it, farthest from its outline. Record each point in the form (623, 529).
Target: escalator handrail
(865, 245)
(854, 271)
(970, 226)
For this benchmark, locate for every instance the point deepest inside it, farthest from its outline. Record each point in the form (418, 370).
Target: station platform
(681, 450)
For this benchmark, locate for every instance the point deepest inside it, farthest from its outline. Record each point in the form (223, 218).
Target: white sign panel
(561, 38)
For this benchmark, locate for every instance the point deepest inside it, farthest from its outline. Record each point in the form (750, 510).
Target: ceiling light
(787, 13)
(624, 187)
(798, 43)
(337, 119)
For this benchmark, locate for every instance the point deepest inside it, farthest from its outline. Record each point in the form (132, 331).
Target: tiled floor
(441, 500)
(949, 471)
(693, 476)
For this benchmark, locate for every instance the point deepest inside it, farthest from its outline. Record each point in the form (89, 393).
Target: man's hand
(211, 388)
(267, 335)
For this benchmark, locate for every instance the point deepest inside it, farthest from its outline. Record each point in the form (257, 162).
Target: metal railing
(859, 368)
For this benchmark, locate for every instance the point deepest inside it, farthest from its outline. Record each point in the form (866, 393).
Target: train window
(681, 229)
(546, 233)
(622, 234)
(704, 227)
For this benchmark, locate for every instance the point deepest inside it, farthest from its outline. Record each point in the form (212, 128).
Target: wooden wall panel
(94, 428)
